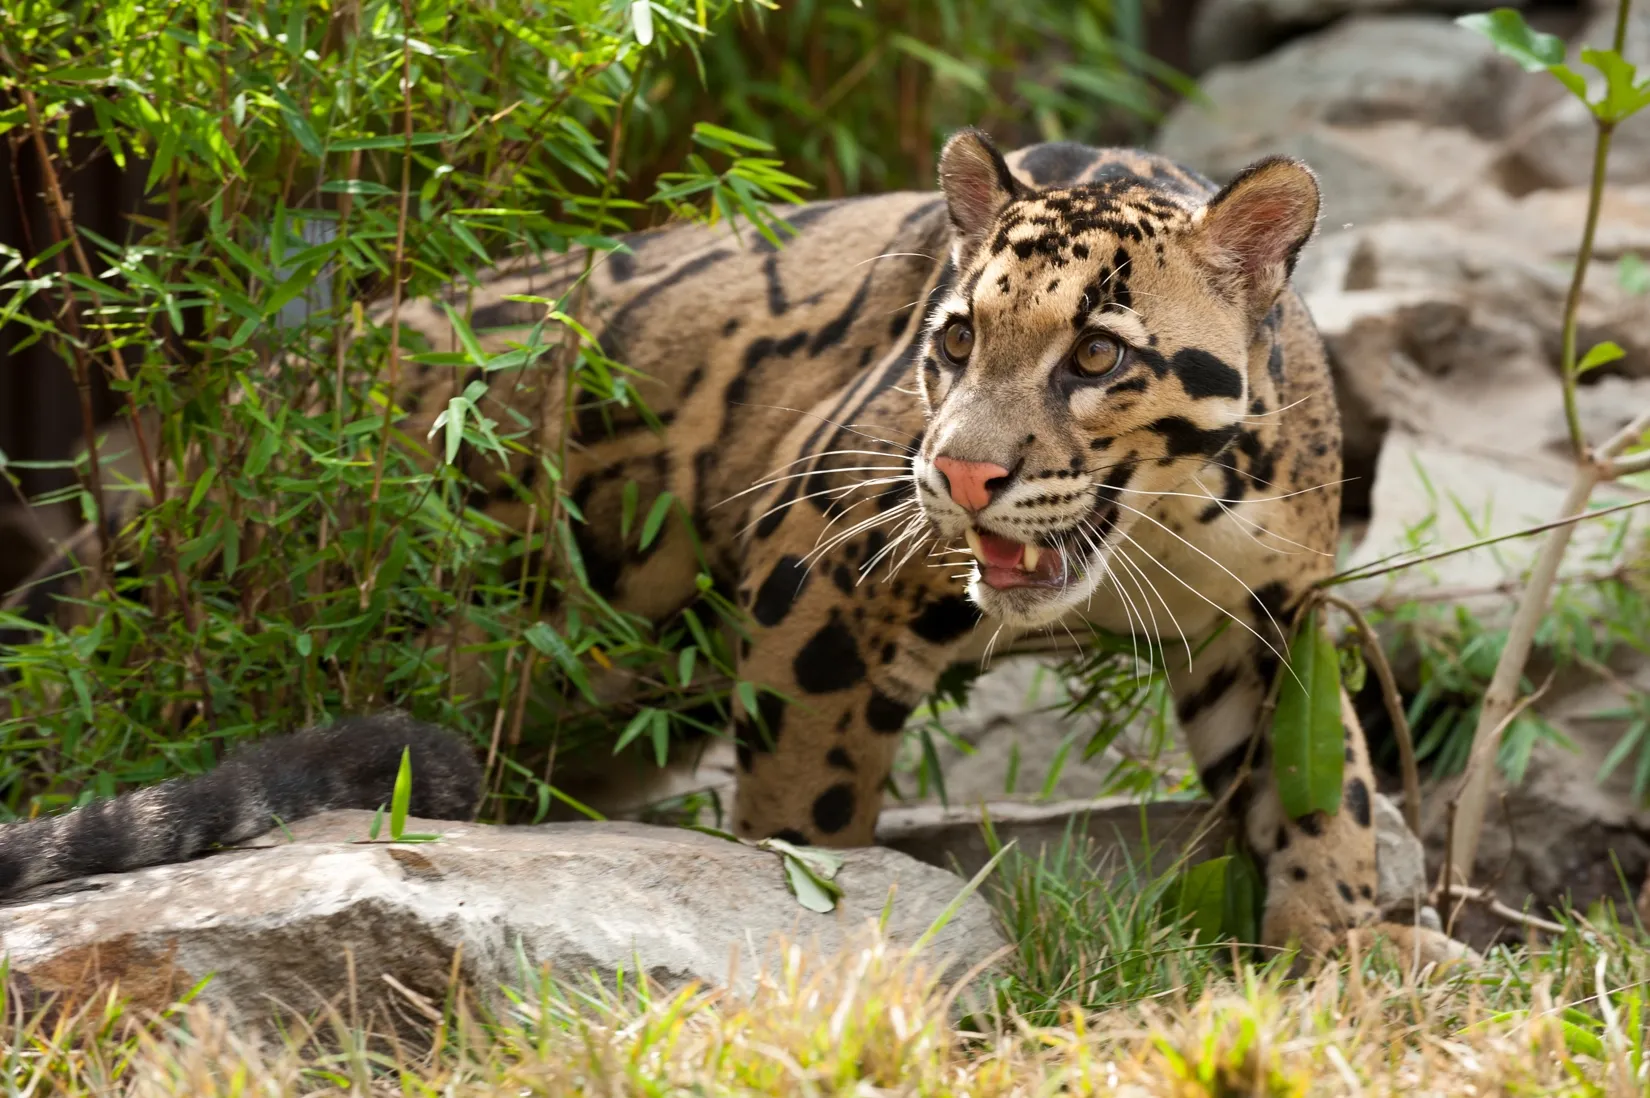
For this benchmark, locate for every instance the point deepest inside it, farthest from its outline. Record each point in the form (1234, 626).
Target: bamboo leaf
(402, 797)
(1307, 737)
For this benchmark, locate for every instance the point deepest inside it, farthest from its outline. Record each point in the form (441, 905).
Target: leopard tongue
(1001, 552)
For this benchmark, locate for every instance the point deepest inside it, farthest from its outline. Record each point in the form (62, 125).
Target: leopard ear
(1254, 229)
(977, 185)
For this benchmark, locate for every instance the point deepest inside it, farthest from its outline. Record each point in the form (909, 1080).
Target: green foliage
(304, 162)
(301, 161)
(1623, 93)
(1307, 738)
(858, 96)
(1099, 935)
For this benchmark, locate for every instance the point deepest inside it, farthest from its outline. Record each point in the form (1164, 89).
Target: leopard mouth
(1005, 563)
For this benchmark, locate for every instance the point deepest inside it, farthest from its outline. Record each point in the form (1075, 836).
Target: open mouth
(1005, 562)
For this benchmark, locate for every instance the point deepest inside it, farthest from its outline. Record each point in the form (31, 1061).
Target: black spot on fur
(1298, 872)
(1056, 162)
(946, 619)
(1220, 773)
(1204, 375)
(830, 661)
(1312, 824)
(1206, 695)
(790, 835)
(839, 758)
(1357, 799)
(885, 714)
(1270, 602)
(780, 590)
(1346, 892)
(1182, 437)
(834, 809)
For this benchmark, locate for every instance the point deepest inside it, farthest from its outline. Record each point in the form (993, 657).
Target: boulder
(283, 925)
(1014, 724)
(1123, 832)
(1224, 31)
(1360, 72)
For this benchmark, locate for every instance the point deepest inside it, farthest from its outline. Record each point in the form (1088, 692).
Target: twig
(1394, 709)
(1473, 792)
(1571, 519)
(1502, 911)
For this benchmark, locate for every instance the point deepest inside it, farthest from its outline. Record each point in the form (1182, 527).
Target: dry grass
(875, 1022)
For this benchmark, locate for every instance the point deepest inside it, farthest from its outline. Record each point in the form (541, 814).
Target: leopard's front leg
(853, 656)
(1319, 869)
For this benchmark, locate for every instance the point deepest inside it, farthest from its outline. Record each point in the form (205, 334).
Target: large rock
(1360, 72)
(272, 926)
(1014, 733)
(1121, 832)
(1553, 143)
(1224, 31)
(1448, 326)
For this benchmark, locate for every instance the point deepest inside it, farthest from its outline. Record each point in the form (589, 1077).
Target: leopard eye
(1097, 354)
(957, 341)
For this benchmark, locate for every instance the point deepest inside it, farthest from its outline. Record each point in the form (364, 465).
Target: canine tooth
(974, 545)
(1028, 562)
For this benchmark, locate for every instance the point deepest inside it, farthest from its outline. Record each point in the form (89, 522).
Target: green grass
(1102, 994)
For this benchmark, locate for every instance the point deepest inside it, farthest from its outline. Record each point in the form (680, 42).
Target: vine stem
(1500, 703)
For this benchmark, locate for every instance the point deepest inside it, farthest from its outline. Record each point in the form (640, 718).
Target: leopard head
(1091, 352)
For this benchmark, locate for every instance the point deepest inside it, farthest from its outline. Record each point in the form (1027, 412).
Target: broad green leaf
(402, 797)
(1201, 898)
(1601, 354)
(1244, 897)
(1624, 93)
(1508, 33)
(377, 824)
(1307, 738)
(810, 892)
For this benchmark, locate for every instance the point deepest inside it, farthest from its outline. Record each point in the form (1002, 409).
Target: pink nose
(970, 481)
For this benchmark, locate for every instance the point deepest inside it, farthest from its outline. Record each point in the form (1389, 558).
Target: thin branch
(1352, 574)
(1394, 708)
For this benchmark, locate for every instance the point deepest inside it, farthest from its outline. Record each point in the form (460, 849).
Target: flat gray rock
(1361, 71)
(281, 925)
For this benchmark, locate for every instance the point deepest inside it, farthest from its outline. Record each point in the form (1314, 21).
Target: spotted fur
(1186, 494)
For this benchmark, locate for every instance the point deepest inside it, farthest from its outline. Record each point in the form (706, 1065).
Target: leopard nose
(972, 483)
